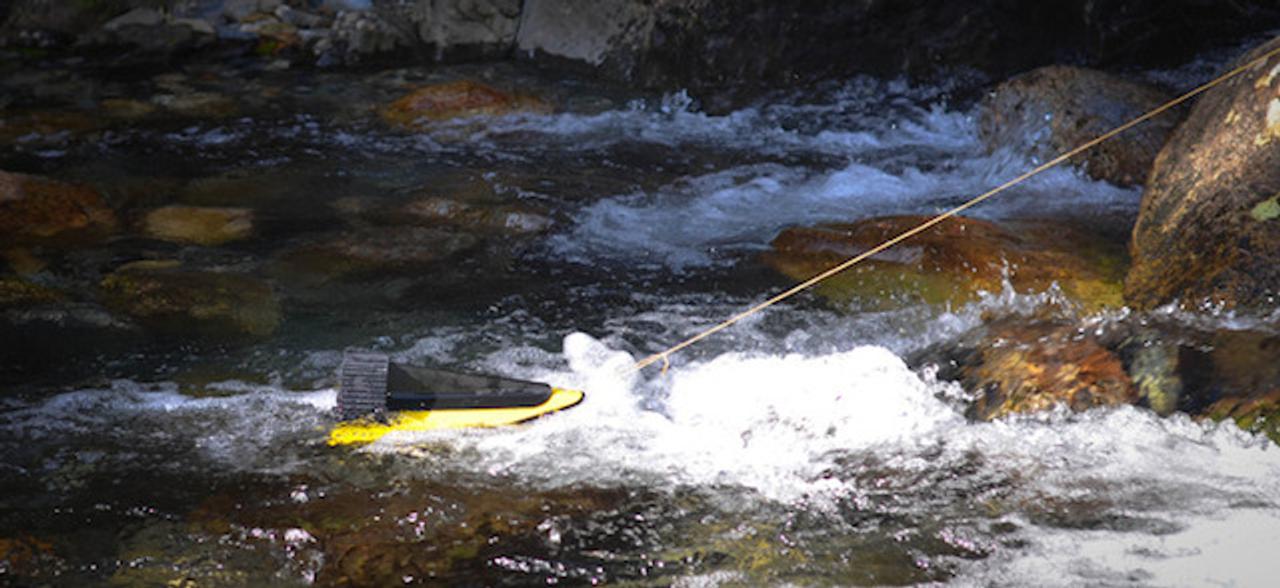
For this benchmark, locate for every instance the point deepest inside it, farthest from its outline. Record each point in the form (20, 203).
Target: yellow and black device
(377, 396)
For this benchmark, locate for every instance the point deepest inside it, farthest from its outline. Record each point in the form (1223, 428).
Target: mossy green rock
(952, 262)
(168, 298)
(1257, 415)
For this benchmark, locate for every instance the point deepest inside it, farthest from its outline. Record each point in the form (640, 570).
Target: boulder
(462, 98)
(1023, 368)
(952, 262)
(198, 224)
(702, 44)
(170, 299)
(468, 28)
(42, 211)
(1208, 228)
(1051, 110)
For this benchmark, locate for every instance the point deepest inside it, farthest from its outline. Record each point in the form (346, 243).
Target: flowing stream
(799, 447)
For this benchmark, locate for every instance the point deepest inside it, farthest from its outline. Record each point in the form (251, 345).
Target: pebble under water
(803, 446)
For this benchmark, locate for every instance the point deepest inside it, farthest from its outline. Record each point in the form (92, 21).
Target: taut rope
(665, 356)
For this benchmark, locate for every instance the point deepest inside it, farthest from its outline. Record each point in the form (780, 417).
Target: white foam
(767, 423)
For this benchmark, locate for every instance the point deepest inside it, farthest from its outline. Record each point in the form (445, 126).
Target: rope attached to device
(665, 356)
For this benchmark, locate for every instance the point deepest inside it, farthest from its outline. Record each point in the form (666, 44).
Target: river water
(798, 447)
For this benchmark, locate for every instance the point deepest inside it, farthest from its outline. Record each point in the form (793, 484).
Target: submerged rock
(170, 299)
(952, 262)
(462, 98)
(41, 126)
(1208, 227)
(1054, 109)
(43, 211)
(503, 220)
(1024, 368)
(372, 252)
(414, 532)
(16, 292)
(198, 224)
(197, 104)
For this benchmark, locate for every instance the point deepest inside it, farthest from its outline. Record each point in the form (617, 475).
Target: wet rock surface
(198, 225)
(952, 262)
(43, 211)
(1028, 368)
(460, 99)
(1205, 231)
(1051, 110)
(374, 251)
(170, 299)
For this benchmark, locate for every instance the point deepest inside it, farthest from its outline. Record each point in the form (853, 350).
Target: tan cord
(664, 356)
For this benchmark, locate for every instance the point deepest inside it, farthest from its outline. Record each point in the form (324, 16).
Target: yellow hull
(369, 430)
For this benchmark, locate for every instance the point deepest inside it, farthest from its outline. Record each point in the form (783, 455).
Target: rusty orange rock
(1030, 368)
(43, 211)
(462, 98)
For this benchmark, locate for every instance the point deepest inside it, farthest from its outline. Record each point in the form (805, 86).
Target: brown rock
(24, 125)
(199, 225)
(168, 298)
(1209, 224)
(387, 250)
(463, 98)
(197, 104)
(1029, 368)
(951, 262)
(423, 531)
(24, 555)
(505, 220)
(42, 211)
(126, 108)
(1051, 110)
(17, 292)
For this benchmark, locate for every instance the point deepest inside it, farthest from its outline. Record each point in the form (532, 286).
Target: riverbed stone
(1203, 232)
(457, 99)
(1022, 367)
(168, 298)
(204, 105)
(200, 225)
(952, 262)
(36, 210)
(17, 292)
(36, 127)
(375, 251)
(506, 220)
(413, 532)
(1051, 110)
